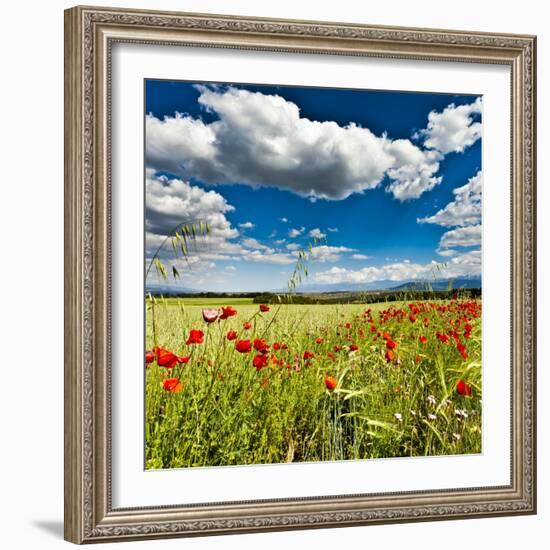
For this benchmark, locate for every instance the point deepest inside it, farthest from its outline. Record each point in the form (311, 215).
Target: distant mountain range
(439, 284)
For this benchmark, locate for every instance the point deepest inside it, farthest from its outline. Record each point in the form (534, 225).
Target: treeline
(367, 297)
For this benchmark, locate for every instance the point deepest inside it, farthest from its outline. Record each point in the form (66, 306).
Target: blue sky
(384, 185)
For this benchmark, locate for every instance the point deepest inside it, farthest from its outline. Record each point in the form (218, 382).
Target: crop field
(232, 382)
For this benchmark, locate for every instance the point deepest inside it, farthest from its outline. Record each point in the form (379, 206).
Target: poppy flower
(318, 340)
(463, 388)
(372, 328)
(173, 385)
(149, 357)
(243, 346)
(195, 337)
(261, 345)
(417, 358)
(308, 355)
(228, 311)
(353, 347)
(264, 308)
(462, 350)
(231, 335)
(386, 336)
(337, 348)
(184, 359)
(390, 344)
(412, 318)
(260, 361)
(423, 339)
(166, 358)
(330, 382)
(442, 337)
(276, 346)
(389, 356)
(210, 315)
(348, 325)
(247, 326)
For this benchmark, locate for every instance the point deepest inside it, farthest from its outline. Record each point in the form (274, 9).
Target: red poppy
(319, 341)
(264, 308)
(389, 355)
(386, 336)
(462, 350)
(259, 361)
(463, 388)
(261, 345)
(184, 359)
(228, 311)
(353, 347)
(417, 358)
(173, 385)
(423, 339)
(276, 346)
(372, 328)
(412, 318)
(348, 325)
(337, 348)
(442, 337)
(243, 346)
(166, 358)
(149, 357)
(195, 337)
(247, 326)
(390, 344)
(210, 315)
(330, 382)
(308, 355)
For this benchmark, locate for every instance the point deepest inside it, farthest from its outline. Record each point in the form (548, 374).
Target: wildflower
(432, 416)
(423, 339)
(261, 345)
(319, 341)
(463, 388)
(260, 361)
(413, 412)
(353, 347)
(247, 326)
(398, 417)
(308, 355)
(227, 312)
(172, 385)
(337, 348)
(348, 325)
(386, 336)
(442, 337)
(417, 358)
(457, 437)
(412, 318)
(264, 308)
(389, 356)
(461, 413)
(149, 357)
(231, 335)
(243, 346)
(210, 315)
(330, 382)
(462, 350)
(390, 344)
(166, 358)
(276, 346)
(431, 400)
(195, 337)
(372, 328)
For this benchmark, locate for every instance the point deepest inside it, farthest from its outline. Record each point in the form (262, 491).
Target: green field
(325, 382)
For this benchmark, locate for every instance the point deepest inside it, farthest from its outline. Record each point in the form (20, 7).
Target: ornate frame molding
(89, 35)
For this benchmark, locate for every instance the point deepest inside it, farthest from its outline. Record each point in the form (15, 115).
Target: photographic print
(312, 274)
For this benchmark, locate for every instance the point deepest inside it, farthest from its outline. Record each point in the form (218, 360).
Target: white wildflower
(398, 417)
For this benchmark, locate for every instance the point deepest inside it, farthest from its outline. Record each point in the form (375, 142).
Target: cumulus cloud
(296, 232)
(462, 236)
(326, 253)
(316, 234)
(464, 210)
(247, 225)
(293, 246)
(360, 257)
(453, 129)
(261, 140)
(468, 264)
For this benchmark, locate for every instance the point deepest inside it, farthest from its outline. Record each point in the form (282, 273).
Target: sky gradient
(385, 186)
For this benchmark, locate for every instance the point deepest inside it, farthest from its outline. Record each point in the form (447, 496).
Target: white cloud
(293, 246)
(296, 232)
(446, 252)
(316, 234)
(462, 236)
(254, 244)
(280, 241)
(468, 264)
(284, 220)
(464, 210)
(230, 268)
(269, 257)
(453, 129)
(360, 257)
(332, 229)
(261, 140)
(247, 225)
(326, 253)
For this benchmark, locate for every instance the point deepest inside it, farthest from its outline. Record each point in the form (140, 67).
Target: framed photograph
(300, 274)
